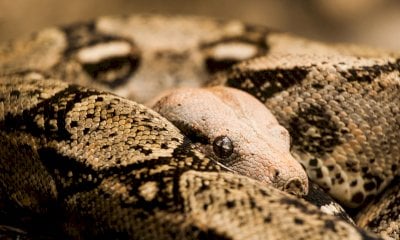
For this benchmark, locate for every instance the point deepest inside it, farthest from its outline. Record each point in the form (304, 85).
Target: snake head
(239, 132)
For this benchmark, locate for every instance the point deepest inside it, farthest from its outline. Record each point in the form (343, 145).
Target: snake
(82, 147)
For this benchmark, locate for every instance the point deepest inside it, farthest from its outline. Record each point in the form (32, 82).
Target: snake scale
(101, 166)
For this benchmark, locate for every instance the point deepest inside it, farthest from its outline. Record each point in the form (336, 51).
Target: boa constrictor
(103, 166)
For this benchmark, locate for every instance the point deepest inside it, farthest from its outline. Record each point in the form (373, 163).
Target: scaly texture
(339, 103)
(341, 111)
(136, 57)
(139, 57)
(382, 215)
(116, 169)
(255, 144)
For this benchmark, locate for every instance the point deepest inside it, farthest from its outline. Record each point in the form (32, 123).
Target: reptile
(336, 131)
(225, 123)
(73, 164)
(381, 215)
(138, 57)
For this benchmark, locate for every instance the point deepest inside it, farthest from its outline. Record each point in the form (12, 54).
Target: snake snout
(288, 175)
(296, 186)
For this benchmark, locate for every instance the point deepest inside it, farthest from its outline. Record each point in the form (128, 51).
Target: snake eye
(223, 146)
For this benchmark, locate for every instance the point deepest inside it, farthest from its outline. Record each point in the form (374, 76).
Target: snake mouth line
(224, 167)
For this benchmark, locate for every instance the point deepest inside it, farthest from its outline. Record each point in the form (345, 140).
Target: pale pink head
(234, 128)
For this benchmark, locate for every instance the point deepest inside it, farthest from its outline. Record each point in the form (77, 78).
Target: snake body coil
(113, 168)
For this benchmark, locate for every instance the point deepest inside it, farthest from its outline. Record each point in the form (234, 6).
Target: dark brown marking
(369, 73)
(358, 198)
(83, 35)
(298, 221)
(278, 80)
(317, 118)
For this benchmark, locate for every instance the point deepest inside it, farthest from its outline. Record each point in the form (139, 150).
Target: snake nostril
(295, 186)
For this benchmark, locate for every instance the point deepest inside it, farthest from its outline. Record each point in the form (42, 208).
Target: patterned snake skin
(106, 167)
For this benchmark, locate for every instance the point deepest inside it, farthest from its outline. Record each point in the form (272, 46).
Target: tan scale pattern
(90, 170)
(352, 123)
(381, 216)
(189, 197)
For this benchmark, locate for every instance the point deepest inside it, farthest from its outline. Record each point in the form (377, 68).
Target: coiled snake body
(116, 169)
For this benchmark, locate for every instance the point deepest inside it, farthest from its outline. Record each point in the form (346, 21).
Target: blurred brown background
(373, 22)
